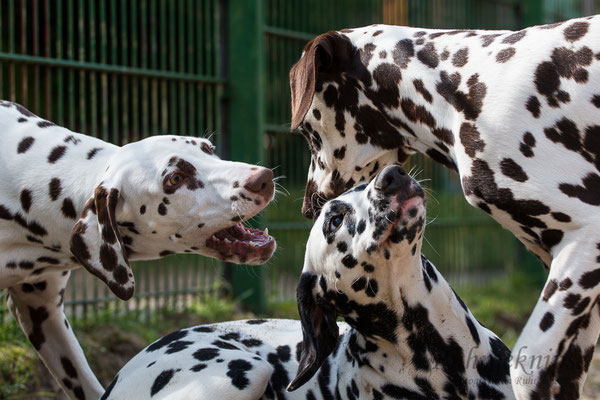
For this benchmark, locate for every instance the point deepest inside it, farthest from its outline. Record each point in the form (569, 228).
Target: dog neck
(436, 336)
(432, 107)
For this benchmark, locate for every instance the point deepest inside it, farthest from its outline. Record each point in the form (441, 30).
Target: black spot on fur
(550, 289)
(468, 103)
(54, 188)
(93, 152)
(161, 381)
(514, 37)
(236, 370)
(576, 31)
(505, 54)
(26, 199)
(166, 340)
(533, 106)
(428, 55)
(471, 139)
(513, 170)
(25, 144)
(56, 153)
(68, 367)
(403, 52)
(461, 57)
(547, 321)
(590, 279)
(349, 261)
(588, 193)
(68, 209)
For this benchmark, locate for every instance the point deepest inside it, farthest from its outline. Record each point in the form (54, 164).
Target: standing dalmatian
(407, 334)
(516, 114)
(68, 200)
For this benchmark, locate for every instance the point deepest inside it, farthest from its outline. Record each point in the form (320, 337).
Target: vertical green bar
(172, 67)
(144, 38)
(191, 87)
(181, 67)
(155, 113)
(104, 109)
(533, 12)
(71, 72)
(93, 93)
(126, 136)
(164, 55)
(83, 95)
(117, 132)
(60, 109)
(135, 81)
(200, 89)
(37, 94)
(209, 89)
(47, 81)
(246, 58)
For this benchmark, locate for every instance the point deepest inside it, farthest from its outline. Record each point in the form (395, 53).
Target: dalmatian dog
(516, 114)
(407, 334)
(68, 200)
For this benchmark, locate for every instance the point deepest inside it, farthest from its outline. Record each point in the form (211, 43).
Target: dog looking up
(407, 334)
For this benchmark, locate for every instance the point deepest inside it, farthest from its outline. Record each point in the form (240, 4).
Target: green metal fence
(120, 70)
(123, 69)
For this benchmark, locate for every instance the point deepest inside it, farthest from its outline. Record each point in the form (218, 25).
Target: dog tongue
(242, 241)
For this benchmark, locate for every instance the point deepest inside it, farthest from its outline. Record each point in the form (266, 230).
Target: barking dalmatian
(407, 334)
(516, 114)
(68, 200)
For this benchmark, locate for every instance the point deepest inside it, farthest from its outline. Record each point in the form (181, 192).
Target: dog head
(171, 194)
(362, 242)
(338, 103)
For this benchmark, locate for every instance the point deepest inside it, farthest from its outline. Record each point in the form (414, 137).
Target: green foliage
(17, 368)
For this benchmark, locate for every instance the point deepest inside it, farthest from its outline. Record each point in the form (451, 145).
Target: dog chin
(403, 211)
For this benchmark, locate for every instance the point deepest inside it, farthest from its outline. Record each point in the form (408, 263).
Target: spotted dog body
(407, 335)
(516, 114)
(68, 199)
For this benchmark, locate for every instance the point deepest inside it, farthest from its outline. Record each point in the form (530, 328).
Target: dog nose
(261, 183)
(391, 179)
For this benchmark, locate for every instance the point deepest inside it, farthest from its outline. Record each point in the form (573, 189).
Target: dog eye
(175, 179)
(335, 222)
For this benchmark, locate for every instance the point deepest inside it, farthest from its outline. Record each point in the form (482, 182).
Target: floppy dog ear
(96, 242)
(319, 332)
(319, 55)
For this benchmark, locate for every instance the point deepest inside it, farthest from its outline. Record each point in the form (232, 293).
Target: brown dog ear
(320, 55)
(320, 332)
(96, 242)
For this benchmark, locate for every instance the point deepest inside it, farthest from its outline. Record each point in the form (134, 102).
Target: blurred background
(123, 70)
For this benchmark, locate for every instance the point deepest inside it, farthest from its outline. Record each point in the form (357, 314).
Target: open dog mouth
(246, 243)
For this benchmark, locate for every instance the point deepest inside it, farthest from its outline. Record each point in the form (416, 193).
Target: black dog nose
(391, 179)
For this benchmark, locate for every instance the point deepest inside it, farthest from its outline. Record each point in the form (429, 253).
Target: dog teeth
(266, 232)
(227, 240)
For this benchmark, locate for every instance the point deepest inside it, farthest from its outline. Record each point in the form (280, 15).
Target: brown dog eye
(175, 179)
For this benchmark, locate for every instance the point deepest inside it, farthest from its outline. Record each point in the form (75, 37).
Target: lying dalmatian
(68, 200)
(407, 334)
(516, 114)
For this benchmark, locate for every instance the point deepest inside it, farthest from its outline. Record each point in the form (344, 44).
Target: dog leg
(585, 342)
(552, 354)
(39, 309)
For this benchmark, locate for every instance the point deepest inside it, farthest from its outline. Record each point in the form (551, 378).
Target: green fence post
(246, 124)
(533, 12)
